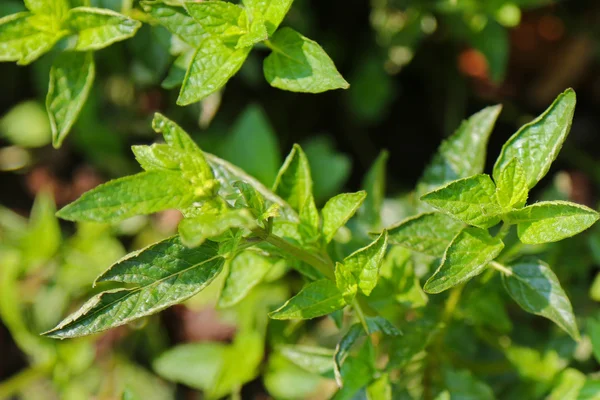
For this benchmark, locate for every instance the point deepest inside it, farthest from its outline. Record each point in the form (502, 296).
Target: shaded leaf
(246, 271)
(463, 385)
(374, 185)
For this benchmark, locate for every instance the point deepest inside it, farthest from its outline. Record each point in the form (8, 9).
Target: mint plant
(239, 233)
(215, 39)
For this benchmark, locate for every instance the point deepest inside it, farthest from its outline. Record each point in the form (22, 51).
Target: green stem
(360, 314)
(499, 267)
(323, 266)
(503, 230)
(19, 381)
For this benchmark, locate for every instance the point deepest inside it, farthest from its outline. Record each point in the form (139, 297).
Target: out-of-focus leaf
(245, 272)
(330, 168)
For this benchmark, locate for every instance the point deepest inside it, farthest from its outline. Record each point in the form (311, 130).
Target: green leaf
(155, 157)
(25, 37)
(177, 21)
(219, 18)
(569, 385)
(462, 154)
(466, 257)
(381, 389)
(593, 330)
(55, 8)
(380, 324)
(293, 182)
(415, 338)
(71, 79)
(536, 144)
(537, 290)
(42, 237)
(511, 186)
(374, 185)
(338, 210)
(157, 277)
(342, 350)
(471, 200)
(357, 372)
(318, 360)
(299, 64)
(398, 272)
(245, 272)
(253, 145)
(329, 168)
(212, 221)
(143, 193)
(314, 300)
(98, 28)
(360, 270)
(551, 221)
(214, 63)
(429, 233)
(273, 11)
(463, 385)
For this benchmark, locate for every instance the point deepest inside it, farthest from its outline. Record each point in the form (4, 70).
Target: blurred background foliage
(416, 69)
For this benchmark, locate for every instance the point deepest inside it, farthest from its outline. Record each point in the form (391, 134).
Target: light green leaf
(299, 64)
(551, 221)
(338, 210)
(285, 380)
(157, 277)
(71, 79)
(374, 185)
(293, 183)
(360, 270)
(214, 63)
(537, 290)
(25, 37)
(466, 257)
(569, 385)
(462, 154)
(257, 32)
(218, 18)
(98, 28)
(318, 360)
(381, 389)
(590, 390)
(143, 193)
(42, 237)
(196, 365)
(536, 144)
(177, 21)
(463, 385)
(511, 186)
(429, 233)
(245, 272)
(471, 200)
(212, 221)
(156, 157)
(55, 8)
(273, 11)
(253, 146)
(314, 300)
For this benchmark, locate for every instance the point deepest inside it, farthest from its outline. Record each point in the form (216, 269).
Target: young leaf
(293, 182)
(177, 21)
(212, 222)
(245, 272)
(537, 290)
(466, 257)
(537, 143)
(143, 193)
(471, 200)
(162, 274)
(156, 157)
(214, 63)
(429, 233)
(257, 32)
(318, 360)
(98, 28)
(22, 39)
(462, 154)
(71, 79)
(338, 210)
(273, 11)
(374, 185)
(299, 64)
(360, 270)
(218, 18)
(511, 186)
(314, 300)
(55, 8)
(551, 221)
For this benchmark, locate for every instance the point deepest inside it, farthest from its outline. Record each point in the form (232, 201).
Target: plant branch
(499, 267)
